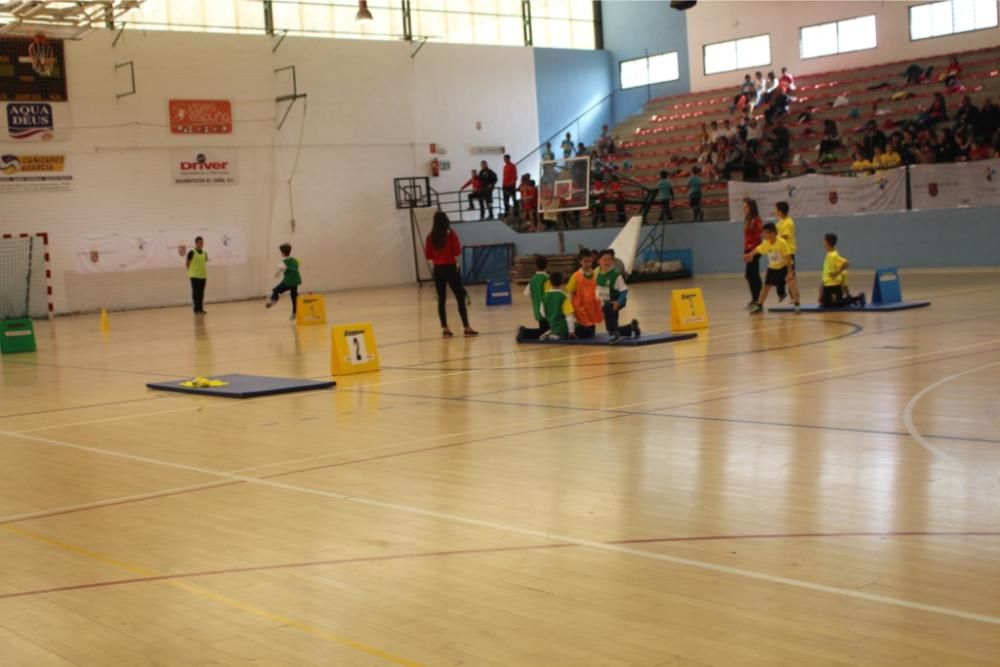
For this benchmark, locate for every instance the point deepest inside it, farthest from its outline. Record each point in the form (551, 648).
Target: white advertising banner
(218, 166)
(817, 194)
(35, 121)
(108, 253)
(959, 184)
(34, 173)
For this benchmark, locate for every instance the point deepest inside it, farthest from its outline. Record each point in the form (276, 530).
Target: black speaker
(681, 5)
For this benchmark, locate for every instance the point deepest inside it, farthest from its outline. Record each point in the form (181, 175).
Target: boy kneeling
(834, 293)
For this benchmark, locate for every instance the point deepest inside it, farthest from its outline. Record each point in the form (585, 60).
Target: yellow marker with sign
(687, 310)
(354, 349)
(310, 309)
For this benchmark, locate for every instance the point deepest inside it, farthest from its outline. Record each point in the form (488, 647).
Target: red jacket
(509, 175)
(474, 182)
(443, 256)
(752, 234)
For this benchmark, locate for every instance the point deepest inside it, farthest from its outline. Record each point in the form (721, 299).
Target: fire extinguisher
(435, 167)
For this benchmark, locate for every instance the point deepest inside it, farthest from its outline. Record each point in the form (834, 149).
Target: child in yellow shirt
(779, 260)
(833, 293)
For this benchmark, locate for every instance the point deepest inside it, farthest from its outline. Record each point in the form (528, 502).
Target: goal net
(23, 278)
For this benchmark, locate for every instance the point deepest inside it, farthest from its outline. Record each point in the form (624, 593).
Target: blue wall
(963, 237)
(568, 82)
(633, 28)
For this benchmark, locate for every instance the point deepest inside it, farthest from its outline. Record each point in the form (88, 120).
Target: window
(844, 36)
(737, 54)
(945, 18)
(647, 71)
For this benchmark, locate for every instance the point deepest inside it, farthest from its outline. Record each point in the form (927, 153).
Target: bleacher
(669, 127)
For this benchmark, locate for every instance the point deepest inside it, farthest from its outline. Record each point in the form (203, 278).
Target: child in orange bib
(583, 288)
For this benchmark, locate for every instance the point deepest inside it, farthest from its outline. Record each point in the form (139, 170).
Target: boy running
(778, 260)
(290, 279)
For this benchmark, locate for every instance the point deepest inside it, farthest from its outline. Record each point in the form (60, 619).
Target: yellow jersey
(778, 253)
(786, 230)
(831, 263)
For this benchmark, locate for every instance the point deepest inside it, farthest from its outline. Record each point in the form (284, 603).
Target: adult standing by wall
(487, 181)
(753, 228)
(509, 185)
(443, 248)
(197, 270)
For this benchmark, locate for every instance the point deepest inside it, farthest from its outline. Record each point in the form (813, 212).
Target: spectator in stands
(914, 74)
(746, 95)
(704, 137)
(606, 143)
(988, 120)
(964, 145)
(567, 146)
(714, 132)
(666, 195)
(861, 165)
(770, 85)
(473, 183)
(966, 116)
(947, 148)
(752, 166)
(778, 106)
(529, 203)
(509, 186)
(780, 147)
(830, 142)
(890, 158)
(694, 194)
(897, 143)
(980, 150)
(547, 154)
(733, 160)
(873, 138)
(952, 76)
(616, 195)
(759, 86)
(937, 112)
(753, 135)
(487, 182)
(728, 131)
(598, 199)
(787, 81)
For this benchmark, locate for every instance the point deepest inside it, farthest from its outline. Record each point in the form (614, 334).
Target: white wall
(372, 110)
(718, 21)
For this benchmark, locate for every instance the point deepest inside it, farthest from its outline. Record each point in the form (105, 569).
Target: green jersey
(536, 289)
(556, 308)
(611, 286)
(292, 276)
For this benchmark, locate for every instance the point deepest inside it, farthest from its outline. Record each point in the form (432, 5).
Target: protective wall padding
(870, 308)
(602, 339)
(245, 386)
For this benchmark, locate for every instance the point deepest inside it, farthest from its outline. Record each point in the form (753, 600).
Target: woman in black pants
(753, 228)
(443, 249)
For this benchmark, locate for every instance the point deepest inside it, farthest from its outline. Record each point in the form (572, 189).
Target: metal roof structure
(61, 19)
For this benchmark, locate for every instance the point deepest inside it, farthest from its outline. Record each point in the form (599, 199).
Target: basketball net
(42, 55)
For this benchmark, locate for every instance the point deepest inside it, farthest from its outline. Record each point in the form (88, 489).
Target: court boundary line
(549, 535)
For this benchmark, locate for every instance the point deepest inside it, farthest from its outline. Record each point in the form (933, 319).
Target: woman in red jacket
(753, 228)
(443, 249)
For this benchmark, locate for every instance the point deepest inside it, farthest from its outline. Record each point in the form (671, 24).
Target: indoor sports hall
(529, 333)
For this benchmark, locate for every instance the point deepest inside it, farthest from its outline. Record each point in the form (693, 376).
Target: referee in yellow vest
(197, 268)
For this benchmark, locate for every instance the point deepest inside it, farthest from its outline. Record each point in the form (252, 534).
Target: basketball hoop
(42, 56)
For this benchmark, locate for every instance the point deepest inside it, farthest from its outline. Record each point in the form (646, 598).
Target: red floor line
(484, 550)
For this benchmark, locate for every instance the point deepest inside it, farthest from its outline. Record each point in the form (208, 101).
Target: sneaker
(520, 334)
(269, 304)
(446, 333)
(636, 332)
(862, 300)
(614, 339)
(469, 331)
(291, 317)
(757, 309)
(750, 305)
(548, 335)
(798, 309)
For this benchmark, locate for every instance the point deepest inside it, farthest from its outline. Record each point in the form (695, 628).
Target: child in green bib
(290, 279)
(612, 292)
(536, 289)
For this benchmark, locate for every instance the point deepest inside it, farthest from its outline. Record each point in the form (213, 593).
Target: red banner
(201, 117)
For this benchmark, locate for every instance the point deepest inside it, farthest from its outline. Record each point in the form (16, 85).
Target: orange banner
(201, 117)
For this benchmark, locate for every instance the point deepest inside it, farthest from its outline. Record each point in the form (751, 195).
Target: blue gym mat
(870, 308)
(602, 339)
(245, 386)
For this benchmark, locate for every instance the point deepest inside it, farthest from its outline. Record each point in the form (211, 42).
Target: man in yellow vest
(197, 268)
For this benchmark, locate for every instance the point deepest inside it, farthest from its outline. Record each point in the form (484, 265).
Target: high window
(844, 36)
(737, 54)
(646, 71)
(935, 19)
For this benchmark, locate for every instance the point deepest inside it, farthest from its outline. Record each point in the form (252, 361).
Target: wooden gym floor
(800, 491)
